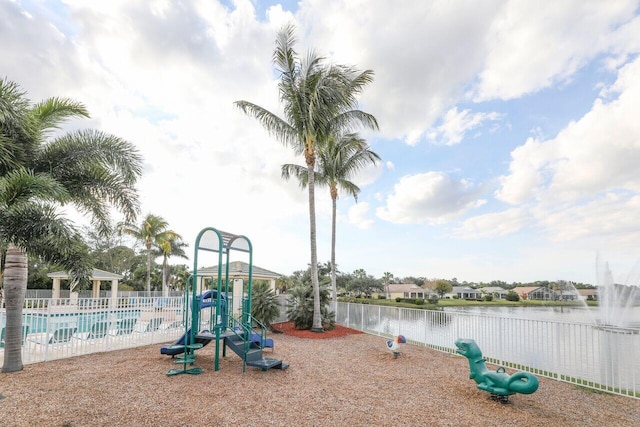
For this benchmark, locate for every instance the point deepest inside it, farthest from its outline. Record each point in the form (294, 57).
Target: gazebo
(96, 277)
(238, 273)
(239, 270)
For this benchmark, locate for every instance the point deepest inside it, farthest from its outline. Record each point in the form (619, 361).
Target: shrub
(419, 301)
(265, 306)
(382, 297)
(398, 299)
(512, 296)
(433, 300)
(488, 297)
(300, 308)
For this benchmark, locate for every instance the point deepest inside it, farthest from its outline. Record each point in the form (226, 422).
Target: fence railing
(64, 293)
(593, 356)
(64, 327)
(588, 355)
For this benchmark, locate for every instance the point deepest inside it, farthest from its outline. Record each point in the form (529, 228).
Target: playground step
(253, 353)
(268, 363)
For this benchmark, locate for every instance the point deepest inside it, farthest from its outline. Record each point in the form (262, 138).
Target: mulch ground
(288, 328)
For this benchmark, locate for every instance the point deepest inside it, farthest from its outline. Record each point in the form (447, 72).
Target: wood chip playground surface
(345, 379)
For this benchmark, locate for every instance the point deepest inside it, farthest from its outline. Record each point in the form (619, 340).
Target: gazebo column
(56, 288)
(96, 289)
(238, 293)
(114, 294)
(272, 285)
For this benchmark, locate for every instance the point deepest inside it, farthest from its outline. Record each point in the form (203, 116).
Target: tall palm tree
(386, 279)
(152, 232)
(318, 98)
(170, 245)
(338, 161)
(92, 170)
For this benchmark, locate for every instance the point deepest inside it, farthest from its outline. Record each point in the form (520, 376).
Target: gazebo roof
(241, 269)
(96, 275)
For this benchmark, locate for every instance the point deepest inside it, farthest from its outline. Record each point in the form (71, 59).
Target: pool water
(43, 322)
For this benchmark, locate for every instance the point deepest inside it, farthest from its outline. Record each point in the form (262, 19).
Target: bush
(265, 305)
(512, 296)
(488, 297)
(419, 301)
(433, 300)
(398, 299)
(300, 308)
(382, 297)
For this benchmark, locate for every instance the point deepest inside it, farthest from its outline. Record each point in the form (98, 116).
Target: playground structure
(500, 384)
(229, 323)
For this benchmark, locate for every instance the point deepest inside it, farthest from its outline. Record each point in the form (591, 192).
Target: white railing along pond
(589, 355)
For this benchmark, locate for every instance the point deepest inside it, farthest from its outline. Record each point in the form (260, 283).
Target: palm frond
(17, 129)
(99, 171)
(52, 112)
(22, 185)
(273, 124)
(41, 231)
(301, 173)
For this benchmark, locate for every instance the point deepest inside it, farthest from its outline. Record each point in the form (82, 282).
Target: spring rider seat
(500, 384)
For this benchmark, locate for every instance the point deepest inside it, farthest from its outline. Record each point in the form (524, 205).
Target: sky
(509, 131)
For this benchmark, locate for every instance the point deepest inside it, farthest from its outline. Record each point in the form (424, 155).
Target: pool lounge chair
(126, 326)
(152, 325)
(59, 336)
(98, 330)
(25, 332)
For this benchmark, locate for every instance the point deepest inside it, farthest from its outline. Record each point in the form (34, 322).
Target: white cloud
(455, 124)
(415, 49)
(432, 197)
(389, 164)
(610, 219)
(358, 215)
(494, 224)
(524, 178)
(439, 48)
(600, 152)
(531, 47)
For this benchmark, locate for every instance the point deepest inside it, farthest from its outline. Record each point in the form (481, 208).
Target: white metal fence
(60, 328)
(584, 354)
(88, 293)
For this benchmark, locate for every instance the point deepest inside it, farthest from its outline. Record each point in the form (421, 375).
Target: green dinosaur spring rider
(500, 384)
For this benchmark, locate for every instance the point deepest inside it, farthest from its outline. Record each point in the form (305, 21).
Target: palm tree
(170, 245)
(338, 161)
(152, 233)
(318, 98)
(387, 277)
(92, 170)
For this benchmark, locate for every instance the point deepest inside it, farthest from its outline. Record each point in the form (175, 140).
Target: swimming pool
(47, 322)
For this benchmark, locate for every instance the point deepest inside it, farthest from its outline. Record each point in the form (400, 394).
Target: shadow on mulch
(339, 331)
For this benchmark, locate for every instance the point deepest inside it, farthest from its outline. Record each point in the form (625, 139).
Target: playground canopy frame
(212, 240)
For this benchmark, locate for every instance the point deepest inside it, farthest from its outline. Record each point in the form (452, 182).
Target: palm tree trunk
(149, 269)
(15, 286)
(333, 254)
(317, 317)
(165, 277)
